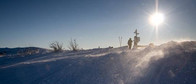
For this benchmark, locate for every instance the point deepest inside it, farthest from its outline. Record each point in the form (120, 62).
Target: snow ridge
(172, 62)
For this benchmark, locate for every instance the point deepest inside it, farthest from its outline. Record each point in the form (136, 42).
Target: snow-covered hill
(169, 63)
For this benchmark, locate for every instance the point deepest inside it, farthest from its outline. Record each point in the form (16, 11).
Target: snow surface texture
(169, 63)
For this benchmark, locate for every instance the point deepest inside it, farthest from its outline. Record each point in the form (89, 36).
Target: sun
(156, 19)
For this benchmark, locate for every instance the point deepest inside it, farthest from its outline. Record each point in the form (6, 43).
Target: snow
(169, 63)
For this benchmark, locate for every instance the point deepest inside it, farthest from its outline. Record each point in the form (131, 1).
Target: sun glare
(156, 19)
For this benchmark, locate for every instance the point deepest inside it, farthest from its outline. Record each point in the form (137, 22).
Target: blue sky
(92, 23)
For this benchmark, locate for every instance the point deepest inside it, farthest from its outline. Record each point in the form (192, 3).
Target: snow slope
(169, 63)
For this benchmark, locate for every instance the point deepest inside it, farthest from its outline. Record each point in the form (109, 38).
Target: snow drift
(169, 63)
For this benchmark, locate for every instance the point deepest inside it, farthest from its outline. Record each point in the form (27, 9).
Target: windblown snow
(169, 63)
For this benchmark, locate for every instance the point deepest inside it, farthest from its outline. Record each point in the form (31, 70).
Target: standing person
(136, 40)
(130, 43)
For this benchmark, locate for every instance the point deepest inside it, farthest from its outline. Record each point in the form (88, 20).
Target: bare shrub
(73, 45)
(56, 46)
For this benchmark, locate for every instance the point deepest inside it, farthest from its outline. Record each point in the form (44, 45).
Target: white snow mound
(169, 63)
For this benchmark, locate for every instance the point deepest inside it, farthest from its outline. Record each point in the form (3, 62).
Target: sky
(93, 23)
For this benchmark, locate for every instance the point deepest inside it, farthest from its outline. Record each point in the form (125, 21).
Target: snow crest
(172, 62)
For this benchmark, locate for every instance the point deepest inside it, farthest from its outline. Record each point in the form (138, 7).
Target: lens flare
(156, 19)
